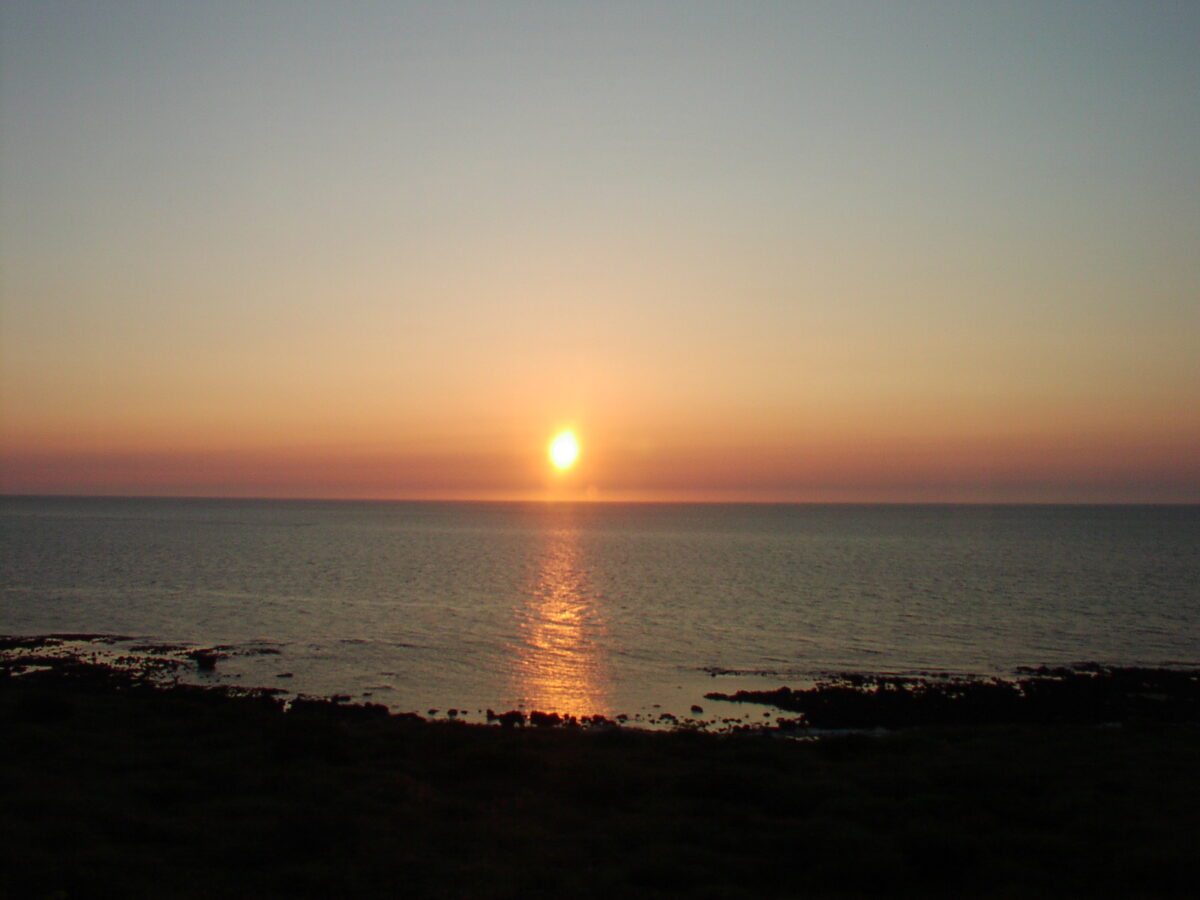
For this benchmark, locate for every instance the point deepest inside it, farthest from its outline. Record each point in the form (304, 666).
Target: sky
(802, 251)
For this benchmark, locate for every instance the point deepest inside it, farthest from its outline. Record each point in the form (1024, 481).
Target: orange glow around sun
(564, 450)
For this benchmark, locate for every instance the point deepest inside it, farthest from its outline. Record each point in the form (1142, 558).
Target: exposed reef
(1084, 694)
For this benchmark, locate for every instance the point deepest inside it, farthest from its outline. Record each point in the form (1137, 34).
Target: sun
(564, 450)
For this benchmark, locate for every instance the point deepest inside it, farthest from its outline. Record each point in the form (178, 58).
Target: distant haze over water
(604, 608)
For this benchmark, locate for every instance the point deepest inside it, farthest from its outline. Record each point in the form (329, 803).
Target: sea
(633, 610)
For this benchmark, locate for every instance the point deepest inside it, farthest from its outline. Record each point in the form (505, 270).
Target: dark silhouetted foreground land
(115, 788)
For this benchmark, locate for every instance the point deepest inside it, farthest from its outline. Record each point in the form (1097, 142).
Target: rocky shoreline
(119, 781)
(1082, 694)
(1085, 693)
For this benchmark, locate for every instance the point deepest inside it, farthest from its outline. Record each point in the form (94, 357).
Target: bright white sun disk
(564, 449)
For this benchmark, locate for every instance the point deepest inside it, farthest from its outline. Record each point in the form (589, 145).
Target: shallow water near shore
(602, 608)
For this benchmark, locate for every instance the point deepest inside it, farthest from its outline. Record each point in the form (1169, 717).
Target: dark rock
(206, 660)
(1081, 694)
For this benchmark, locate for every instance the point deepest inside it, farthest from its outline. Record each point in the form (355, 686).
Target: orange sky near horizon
(870, 468)
(801, 253)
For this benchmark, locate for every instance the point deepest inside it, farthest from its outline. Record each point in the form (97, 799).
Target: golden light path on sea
(559, 666)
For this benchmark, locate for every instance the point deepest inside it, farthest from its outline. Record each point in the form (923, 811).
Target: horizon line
(589, 501)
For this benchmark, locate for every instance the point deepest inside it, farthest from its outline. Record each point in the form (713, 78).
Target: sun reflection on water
(560, 666)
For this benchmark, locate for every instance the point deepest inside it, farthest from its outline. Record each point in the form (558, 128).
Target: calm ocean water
(597, 608)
